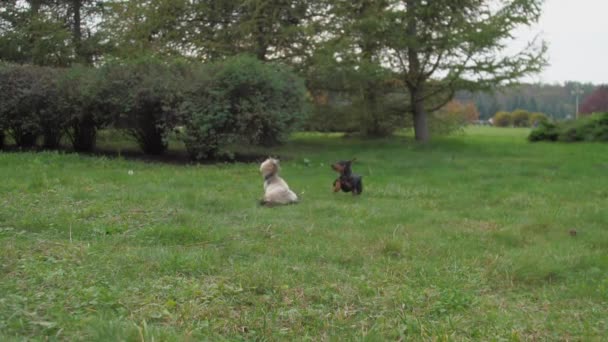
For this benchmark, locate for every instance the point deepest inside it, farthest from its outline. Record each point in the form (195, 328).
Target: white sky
(577, 35)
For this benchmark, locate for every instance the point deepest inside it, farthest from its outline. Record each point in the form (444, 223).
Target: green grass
(466, 238)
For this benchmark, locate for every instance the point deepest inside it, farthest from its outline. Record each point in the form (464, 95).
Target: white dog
(276, 190)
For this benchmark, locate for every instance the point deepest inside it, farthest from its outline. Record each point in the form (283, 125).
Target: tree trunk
(370, 99)
(368, 48)
(35, 7)
(421, 128)
(77, 32)
(260, 50)
(261, 46)
(415, 77)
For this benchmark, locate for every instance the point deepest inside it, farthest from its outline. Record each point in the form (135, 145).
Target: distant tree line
(557, 101)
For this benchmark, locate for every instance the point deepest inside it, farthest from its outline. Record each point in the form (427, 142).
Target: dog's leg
(358, 188)
(337, 185)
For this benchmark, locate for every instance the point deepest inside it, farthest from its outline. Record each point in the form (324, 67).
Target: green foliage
(211, 29)
(51, 32)
(28, 105)
(241, 100)
(421, 47)
(385, 115)
(2, 117)
(375, 40)
(592, 128)
(144, 96)
(442, 125)
(35, 38)
(331, 118)
(537, 118)
(520, 118)
(83, 106)
(388, 115)
(356, 96)
(503, 119)
(545, 131)
(453, 117)
(348, 62)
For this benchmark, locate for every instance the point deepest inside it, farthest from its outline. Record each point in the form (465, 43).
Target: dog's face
(343, 166)
(269, 166)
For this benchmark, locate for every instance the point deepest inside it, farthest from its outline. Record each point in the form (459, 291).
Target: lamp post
(577, 92)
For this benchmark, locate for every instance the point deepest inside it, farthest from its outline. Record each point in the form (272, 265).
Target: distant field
(480, 236)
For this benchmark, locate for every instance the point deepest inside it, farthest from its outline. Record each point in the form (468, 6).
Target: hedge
(241, 100)
(28, 99)
(591, 128)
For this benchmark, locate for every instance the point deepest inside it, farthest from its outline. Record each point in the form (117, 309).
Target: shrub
(462, 113)
(538, 118)
(593, 128)
(241, 100)
(144, 96)
(545, 131)
(84, 107)
(389, 113)
(360, 97)
(28, 105)
(2, 118)
(453, 117)
(330, 118)
(351, 114)
(502, 119)
(51, 120)
(520, 118)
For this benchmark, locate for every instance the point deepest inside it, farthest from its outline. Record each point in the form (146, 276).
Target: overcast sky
(577, 34)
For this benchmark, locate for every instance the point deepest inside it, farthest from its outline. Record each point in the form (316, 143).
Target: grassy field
(467, 238)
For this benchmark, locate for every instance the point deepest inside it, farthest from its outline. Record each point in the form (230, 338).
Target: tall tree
(440, 46)
(349, 61)
(268, 29)
(142, 27)
(211, 29)
(49, 32)
(33, 32)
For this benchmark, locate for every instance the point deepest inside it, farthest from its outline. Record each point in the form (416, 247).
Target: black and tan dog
(348, 181)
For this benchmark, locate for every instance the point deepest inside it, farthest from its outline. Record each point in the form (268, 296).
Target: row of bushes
(240, 100)
(518, 118)
(591, 128)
